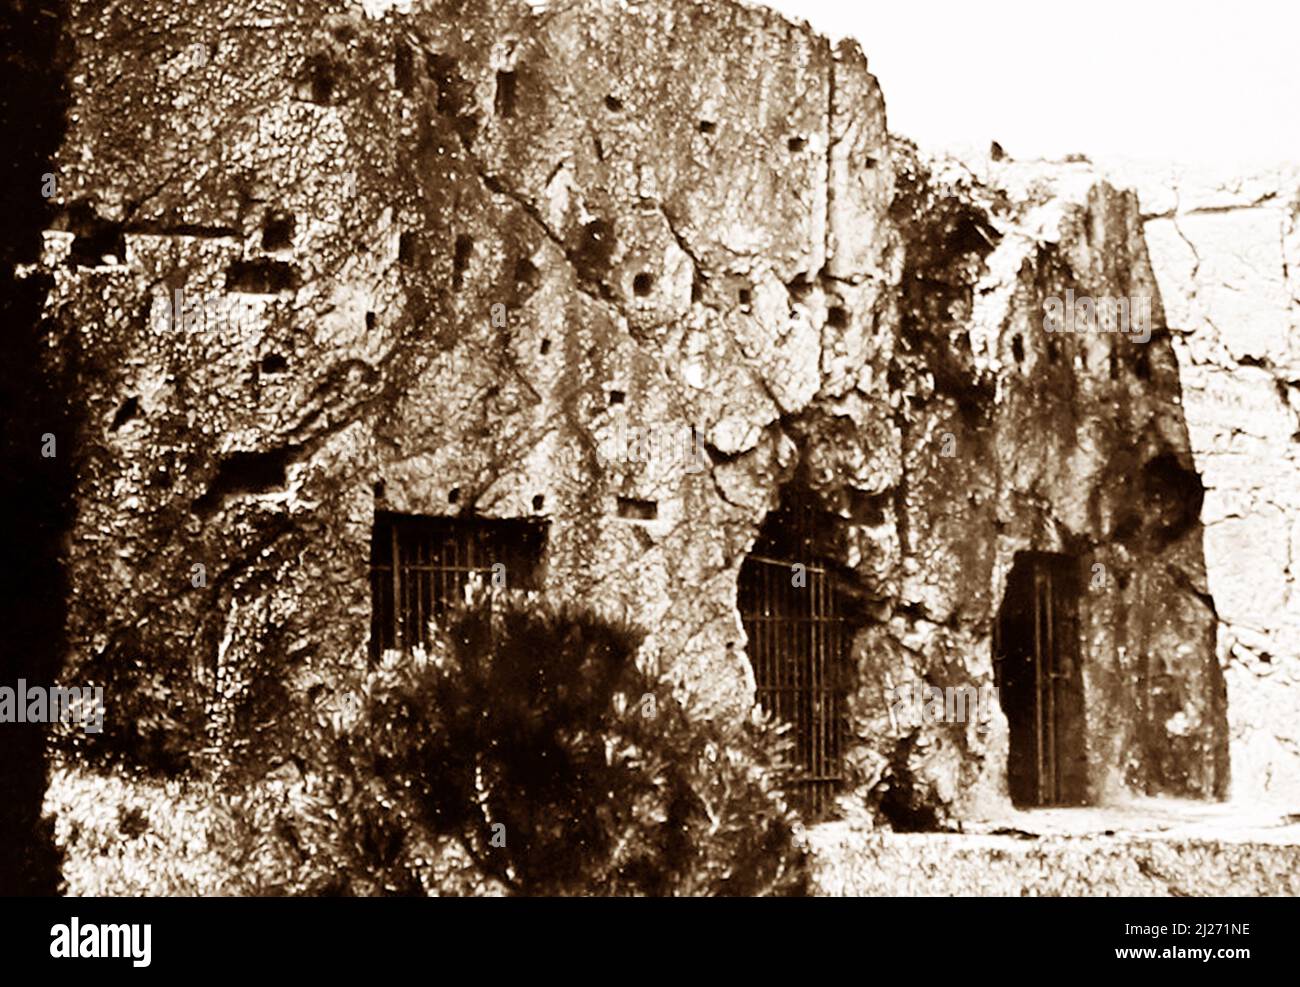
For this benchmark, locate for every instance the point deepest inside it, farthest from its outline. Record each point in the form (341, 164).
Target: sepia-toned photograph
(650, 448)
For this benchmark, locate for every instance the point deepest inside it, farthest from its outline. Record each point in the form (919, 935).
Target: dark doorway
(797, 619)
(1036, 663)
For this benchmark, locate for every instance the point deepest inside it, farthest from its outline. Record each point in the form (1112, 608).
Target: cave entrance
(798, 620)
(1040, 685)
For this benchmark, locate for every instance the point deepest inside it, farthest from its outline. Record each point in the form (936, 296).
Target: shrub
(527, 753)
(125, 835)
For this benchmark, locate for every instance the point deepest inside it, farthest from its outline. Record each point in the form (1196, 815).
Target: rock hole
(317, 83)
(642, 283)
(613, 104)
(707, 126)
(595, 249)
(460, 260)
(697, 290)
(800, 287)
(370, 321)
(797, 144)
(96, 241)
(504, 103)
(442, 71)
(403, 67)
(455, 96)
(971, 234)
(274, 363)
(538, 501)
(1171, 496)
(527, 277)
(632, 509)
(277, 231)
(261, 276)
(1127, 527)
(380, 490)
(453, 496)
(1018, 349)
(903, 804)
(322, 86)
(245, 472)
(838, 317)
(869, 509)
(744, 295)
(617, 397)
(129, 409)
(546, 346)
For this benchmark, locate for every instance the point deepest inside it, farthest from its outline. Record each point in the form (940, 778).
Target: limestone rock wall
(1225, 246)
(1062, 443)
(470, 247)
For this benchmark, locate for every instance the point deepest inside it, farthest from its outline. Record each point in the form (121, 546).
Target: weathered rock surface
(473, 245)
(1225, 249)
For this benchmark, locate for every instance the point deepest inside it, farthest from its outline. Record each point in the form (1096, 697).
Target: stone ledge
(1070, 852)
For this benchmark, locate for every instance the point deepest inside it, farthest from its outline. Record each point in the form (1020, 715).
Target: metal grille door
(1039, 681)
(419, 567)
(798, 646)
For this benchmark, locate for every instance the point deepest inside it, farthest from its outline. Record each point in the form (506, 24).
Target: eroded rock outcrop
(454, 256)
(1226, 252)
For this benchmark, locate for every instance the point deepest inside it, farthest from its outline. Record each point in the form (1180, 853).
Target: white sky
(1201, 80)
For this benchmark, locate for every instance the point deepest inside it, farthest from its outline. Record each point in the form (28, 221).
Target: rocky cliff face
(445, 262)
(1226, 251)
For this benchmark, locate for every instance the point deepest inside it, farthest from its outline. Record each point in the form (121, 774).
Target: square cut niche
(635, 509)
(407, 246)
(462, 251)
(261, 276)
(277, 231)
(420, 566)
(506, 94)
(403, 67)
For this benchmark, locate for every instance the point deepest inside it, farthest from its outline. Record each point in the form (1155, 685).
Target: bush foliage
(525, 752)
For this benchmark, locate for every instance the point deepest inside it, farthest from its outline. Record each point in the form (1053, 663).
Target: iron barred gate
(1038, 674)
(419, 567)
(799, 642)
